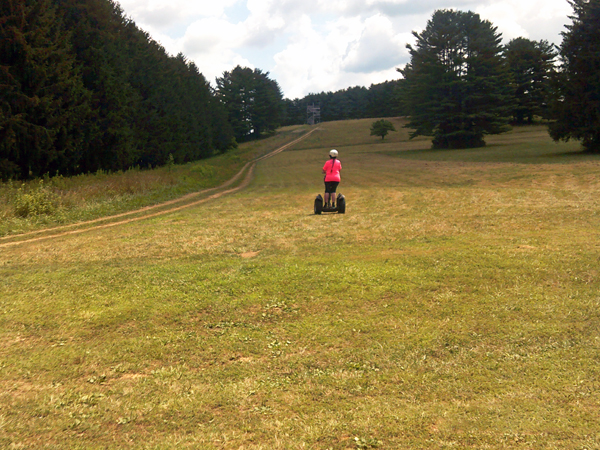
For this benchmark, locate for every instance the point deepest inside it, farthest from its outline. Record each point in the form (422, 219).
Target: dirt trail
(187, 201)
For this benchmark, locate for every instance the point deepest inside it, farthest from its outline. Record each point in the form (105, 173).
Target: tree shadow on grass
(522, 153)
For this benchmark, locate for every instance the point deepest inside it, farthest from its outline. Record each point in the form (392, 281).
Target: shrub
(381, 128)
(34, 202)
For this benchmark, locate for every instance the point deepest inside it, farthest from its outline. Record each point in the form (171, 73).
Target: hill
(455, 304)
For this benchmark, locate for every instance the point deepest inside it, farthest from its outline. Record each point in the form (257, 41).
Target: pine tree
(576, 103)
(103, 53)
(267, 111)
(43, 100)
(456, 87)
(235, 91)
(530, 64)
(254, 102)
(147, 105)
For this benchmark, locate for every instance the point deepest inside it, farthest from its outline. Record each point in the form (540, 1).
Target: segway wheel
(341, 204)
(318, 204)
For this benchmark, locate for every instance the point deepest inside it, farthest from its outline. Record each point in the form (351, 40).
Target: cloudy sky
(322, 45)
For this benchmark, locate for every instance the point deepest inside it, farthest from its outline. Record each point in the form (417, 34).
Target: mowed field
(456, 304)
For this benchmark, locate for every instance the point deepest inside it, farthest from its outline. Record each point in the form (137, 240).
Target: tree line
(525, 71)
(527, 66)
(379, 100)
(83, 88)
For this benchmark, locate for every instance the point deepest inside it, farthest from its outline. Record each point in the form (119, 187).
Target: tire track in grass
(146, 212)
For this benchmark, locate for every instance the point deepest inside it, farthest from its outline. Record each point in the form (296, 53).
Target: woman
(331, 169)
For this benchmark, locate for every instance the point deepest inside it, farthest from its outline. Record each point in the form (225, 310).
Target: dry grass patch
(58, 200)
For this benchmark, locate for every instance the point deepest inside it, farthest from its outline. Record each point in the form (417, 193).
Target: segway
(340, 206)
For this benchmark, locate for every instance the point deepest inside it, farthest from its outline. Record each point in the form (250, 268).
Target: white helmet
(333, 153)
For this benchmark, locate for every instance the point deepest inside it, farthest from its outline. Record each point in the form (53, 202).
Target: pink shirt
(332, 173)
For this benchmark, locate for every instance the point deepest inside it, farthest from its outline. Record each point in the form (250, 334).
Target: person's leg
(332, 192)
(326, 199)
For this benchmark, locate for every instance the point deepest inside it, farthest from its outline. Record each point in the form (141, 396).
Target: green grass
(455, 305)
(58, 200)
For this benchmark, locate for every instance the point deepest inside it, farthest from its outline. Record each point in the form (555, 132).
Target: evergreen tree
(456, 86)
(254, 103)
(235, 90)
(42, 99)
(104, 52)
(382, 100)
(530, 64)
(294, 112)
(576, 102)
(147, 104)
(267, 110)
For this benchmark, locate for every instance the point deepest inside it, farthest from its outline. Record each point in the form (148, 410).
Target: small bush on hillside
(381, 128)
(35, 202)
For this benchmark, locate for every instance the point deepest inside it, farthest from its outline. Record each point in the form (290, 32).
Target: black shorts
(331, 186)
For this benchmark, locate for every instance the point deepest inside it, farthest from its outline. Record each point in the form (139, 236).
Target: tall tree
(576, 103)
(42, 99)
(456, 86)
(105, 51)
(254, 102)
(530, 64)
(147, 105)
(235, 90)
(268, 104)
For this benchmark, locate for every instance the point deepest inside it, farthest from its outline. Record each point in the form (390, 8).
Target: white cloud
(212, 44)
(533, 19)
(310, 62)
(378, 48)
(347, 52)
(262, 28)
(163, 14)
(321, 45)
(208, 36)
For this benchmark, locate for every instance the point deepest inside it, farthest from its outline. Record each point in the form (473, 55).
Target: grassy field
(57, 200)
(455, 305)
